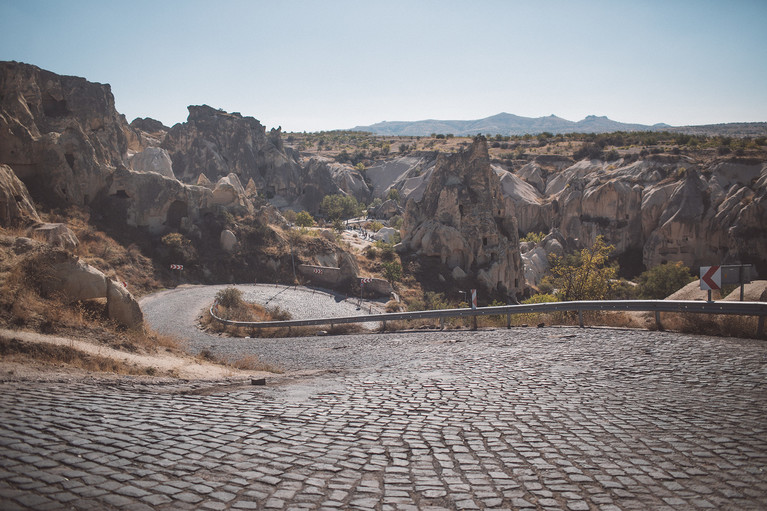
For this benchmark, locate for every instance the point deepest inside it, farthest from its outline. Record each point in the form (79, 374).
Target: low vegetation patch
(15, 350)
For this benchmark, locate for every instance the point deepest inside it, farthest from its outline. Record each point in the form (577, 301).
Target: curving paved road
(176, 311)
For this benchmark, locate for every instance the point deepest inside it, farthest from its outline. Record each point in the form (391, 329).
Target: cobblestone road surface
(552, 418)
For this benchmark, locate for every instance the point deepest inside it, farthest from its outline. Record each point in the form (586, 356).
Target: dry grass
(244, 363)
(712, 324)
(15, 350)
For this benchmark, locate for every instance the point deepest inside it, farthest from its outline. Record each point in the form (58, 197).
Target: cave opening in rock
(177, 210)
(53, 107)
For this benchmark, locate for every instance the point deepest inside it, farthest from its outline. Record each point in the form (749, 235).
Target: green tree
(180, 248)
(393, 195)
(289, 215)
(535, 237)
(585, 275)
(392, 271)
(337, 207)
(304, 219)
(663, 280)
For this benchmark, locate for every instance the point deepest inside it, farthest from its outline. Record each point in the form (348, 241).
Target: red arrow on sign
(711, 277)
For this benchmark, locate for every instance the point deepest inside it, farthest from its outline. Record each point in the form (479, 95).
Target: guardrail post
(760, 328)
(580, 318)
(508, 320)
(657, 321)
(474, 322)
(442, 322)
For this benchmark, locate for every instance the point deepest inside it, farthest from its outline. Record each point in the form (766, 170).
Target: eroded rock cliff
(462, 219)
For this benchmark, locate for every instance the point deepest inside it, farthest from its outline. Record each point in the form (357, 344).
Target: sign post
(713, 277)
(710, 278)
(363, 281)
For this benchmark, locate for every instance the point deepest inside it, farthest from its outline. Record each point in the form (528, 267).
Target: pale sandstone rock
(122, 307)
(385, 234)
(228, 240)
(462, 219)
(16, 205)
(153, 159)
(57, 235)
(75, 279)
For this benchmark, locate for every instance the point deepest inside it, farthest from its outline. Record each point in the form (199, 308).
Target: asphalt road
(176, 311)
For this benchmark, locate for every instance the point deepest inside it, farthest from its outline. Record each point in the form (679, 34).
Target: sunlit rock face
(215, 143)
(61, 135)
(462, 219)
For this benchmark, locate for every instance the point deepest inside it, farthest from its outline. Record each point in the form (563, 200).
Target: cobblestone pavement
(552, 418)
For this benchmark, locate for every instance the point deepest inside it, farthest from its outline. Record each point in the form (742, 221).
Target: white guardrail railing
(657, 306)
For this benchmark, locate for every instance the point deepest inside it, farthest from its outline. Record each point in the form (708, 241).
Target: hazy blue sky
(320, 65)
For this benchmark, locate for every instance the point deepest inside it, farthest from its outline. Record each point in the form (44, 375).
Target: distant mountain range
(510, 124)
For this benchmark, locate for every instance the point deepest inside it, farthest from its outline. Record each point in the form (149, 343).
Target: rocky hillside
(654, 209)
(461, 219)
(217, 182)
(63, 146)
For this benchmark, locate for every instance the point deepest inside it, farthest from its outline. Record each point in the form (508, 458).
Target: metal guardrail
(657, 306)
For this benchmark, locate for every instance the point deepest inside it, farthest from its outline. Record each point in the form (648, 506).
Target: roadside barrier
(657, 306)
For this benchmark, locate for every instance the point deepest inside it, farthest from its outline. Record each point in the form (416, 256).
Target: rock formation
(652, 211)
(216, 143)
(462, 220)
(74, 280)
(60, 134)
(153, 159)
(16, 205)
(56, 235)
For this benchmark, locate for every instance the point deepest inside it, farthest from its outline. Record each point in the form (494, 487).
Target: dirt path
(185, 367)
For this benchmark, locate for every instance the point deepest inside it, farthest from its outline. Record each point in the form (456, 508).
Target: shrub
(304, 219)
(392, 306)
(230, 297)
(663, 280)
(535, 237)
(585, 275)
(387, 250)
(392, 271)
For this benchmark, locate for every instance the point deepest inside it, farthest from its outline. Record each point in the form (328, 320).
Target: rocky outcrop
(230, 194)
(122, 307)
(153, 159)
(316, 183)
(386, 234)
(386, 210)
(60, 273)
(350, 181)
(228, 241)
(16, 205)
(535, 256)
(61, 135)
(652, 211)
(216, 143)
(462, 220)
(56, 235)
(155, 202)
